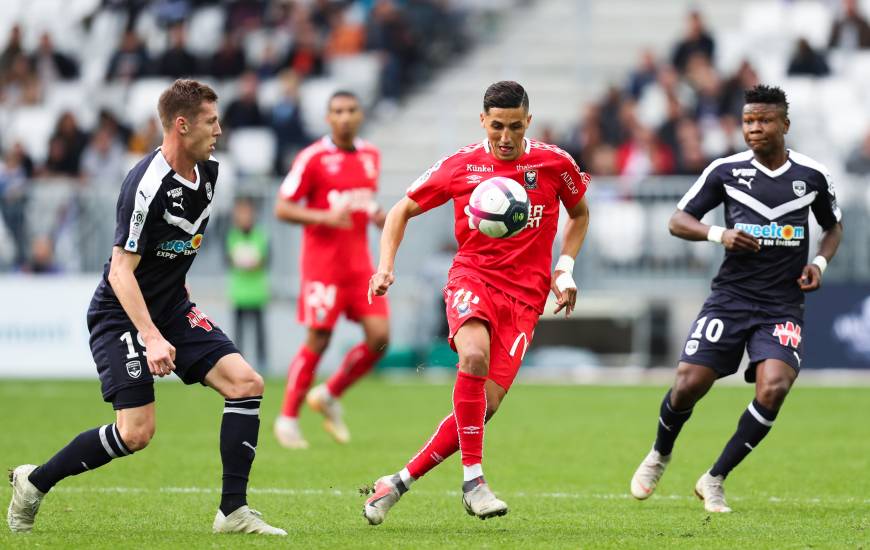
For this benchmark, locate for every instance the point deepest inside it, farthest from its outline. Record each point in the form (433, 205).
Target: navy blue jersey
(161, 216)
(774, 206)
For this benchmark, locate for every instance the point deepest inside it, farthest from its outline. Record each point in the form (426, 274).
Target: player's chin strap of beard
(565, 280)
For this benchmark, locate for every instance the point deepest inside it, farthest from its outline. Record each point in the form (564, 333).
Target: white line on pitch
(521, 494)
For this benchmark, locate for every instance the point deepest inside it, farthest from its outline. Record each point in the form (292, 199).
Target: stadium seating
(252, 150)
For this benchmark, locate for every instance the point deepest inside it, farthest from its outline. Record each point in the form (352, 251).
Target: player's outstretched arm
(688, 227)
(293, 212)
(562, 282)
(391, 237)
(811, 277)
(160, 353)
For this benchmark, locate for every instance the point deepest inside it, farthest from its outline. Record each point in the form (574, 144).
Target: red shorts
(511, 324)
(321, 304)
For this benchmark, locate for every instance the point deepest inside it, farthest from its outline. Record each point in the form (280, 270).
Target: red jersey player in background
(496, 288)
(336, 177)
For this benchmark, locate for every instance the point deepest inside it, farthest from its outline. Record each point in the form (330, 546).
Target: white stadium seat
(142, 99)
(622, 240)
(205, 30)
(313, 95)
(32, 126)
(252, 150)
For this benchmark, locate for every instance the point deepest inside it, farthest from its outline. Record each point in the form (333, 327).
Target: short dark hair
(341, 93)
(771, 95)
(505, 94)
(183, 98)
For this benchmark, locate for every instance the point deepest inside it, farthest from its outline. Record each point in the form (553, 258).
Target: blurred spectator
(269, 64)
(41, 258)
(851, 31)
(244, 110)
(806, 61)
(130, 61)
(102, 162)
(389, 35)
(306, 56)
(247, 250)
(644, 155)
(176, 61)
(732, 92)
(286, 121)
(690, 159)
(106, 119)
(229, 60)
(146, 138)
(346, 37)
(858, 161)
(696, 40)
(653, 105)
(65, 148)
(21, 86)
(642, 75)
(613, 132)
(16, 170)
(50, 64)
(12, 50)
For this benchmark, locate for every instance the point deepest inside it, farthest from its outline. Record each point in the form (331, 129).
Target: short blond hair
(183, 98)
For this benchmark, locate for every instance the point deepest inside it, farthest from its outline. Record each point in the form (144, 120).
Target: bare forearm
(686, 226)
(391, 237)
(575, 234)
(126, 288)
(830, 242)
(294, 213)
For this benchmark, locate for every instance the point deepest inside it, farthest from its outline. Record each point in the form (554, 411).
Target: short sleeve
(825, 207)
(297, 183)
(705, 194)
(136, 211)
(573, 182)
(432, 188)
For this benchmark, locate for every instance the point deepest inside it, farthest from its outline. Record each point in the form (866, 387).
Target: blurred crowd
(410, 39)
(674, 115)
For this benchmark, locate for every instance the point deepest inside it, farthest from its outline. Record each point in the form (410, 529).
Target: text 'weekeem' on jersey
(773, 206)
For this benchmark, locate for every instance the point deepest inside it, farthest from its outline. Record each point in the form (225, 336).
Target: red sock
(299, 377)
(443, 443)
(357, 363)
(469, 407)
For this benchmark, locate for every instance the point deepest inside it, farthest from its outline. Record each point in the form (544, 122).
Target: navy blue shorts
(727, 325)
(120, 355)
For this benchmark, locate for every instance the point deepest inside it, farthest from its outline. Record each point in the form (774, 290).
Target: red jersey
(518, 265)
(328, 177)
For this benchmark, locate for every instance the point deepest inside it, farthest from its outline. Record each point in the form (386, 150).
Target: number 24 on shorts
(714, 329)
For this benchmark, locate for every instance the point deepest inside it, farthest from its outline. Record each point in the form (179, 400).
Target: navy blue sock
(753, 425)
(670, 423)
(87, 451)
(239, 430)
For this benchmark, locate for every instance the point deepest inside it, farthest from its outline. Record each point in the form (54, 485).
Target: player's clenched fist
(161, 355)
(379, 283)
(737, 240)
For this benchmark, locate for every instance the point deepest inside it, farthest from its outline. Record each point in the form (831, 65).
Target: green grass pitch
(561, 457)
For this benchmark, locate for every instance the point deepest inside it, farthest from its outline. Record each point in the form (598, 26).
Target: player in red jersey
(336, 177)
(497, 288)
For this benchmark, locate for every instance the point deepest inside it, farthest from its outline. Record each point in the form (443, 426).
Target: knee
(378, 342)
(474, 361)
(318, 341)
(136, 438)
(248, 385)
(771, 393)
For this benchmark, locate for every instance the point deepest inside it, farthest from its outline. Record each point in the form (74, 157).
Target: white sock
(406, 478)
(288, 420)
(472, 472)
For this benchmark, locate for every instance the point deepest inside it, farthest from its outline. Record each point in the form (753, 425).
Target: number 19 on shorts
(127, 338)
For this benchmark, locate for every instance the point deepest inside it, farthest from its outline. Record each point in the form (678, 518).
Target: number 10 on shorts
(714, 329)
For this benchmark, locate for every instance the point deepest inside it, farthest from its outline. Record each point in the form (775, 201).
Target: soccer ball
(499, 208)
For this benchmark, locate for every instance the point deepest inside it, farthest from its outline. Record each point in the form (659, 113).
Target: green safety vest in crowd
(249, 288)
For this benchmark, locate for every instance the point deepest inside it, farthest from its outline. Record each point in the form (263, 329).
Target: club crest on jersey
(691, 347)
(134, 369)
(208, 190)
(799, 187)
(531, 179)
(199, 319)
(789, 334)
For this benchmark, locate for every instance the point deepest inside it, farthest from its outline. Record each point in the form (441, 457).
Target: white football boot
(385, 496)
(288, 434)
(25, 502)
(481, 502)
(321, 401)
(710, 490)
(244, 520)
(648, 474)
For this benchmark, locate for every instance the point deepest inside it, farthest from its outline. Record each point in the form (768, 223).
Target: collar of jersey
(772, 173)
(175, 175)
